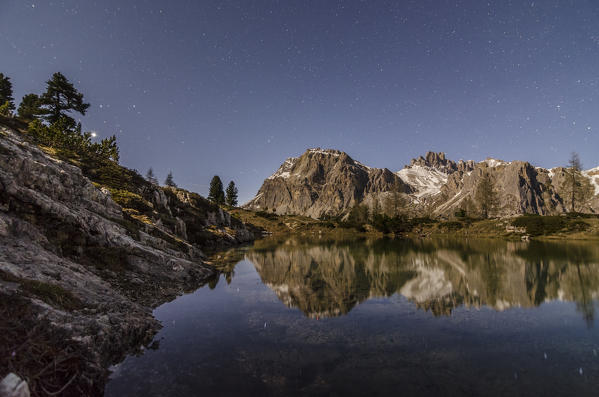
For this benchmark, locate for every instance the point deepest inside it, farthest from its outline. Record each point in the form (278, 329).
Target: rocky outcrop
(322, 182)
(439, 162)
(520, 187)
(63, 239)
(329, 182)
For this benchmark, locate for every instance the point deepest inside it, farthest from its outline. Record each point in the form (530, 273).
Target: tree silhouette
(485, 195)
(61, 97)
(6, 99)
(216, 193)
(231, 192)
(575, 184)
(169, 181)
(150, 177)
(29, 108)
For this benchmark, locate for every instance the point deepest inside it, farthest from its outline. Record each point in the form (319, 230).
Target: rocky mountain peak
(435, 160)
(329, 182)
(323, 182)
(329, 152)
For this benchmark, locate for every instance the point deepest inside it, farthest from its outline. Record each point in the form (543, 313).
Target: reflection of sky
(235, 87)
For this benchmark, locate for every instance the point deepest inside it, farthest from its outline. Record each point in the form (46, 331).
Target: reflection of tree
(584, 303)
(536, 281)
(491, 278)
(330, 278)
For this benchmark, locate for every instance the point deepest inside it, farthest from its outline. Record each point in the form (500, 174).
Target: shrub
(578, 226)
(537, 225)
(266, 215)
(451, 225)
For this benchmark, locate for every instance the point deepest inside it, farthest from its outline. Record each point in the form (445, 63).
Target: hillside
(88, 248)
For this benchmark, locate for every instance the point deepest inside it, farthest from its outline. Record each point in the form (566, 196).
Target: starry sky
(235, 87)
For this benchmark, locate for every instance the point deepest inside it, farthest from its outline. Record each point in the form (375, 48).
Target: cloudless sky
(235, 87)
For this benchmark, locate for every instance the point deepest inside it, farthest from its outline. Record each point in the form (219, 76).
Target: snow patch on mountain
(362, 165)
(593, 175)
(494, 162)
(426, 181)
(330, 152)
(284, 170)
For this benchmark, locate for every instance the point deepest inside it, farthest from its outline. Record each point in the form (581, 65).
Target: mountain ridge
(430, 184)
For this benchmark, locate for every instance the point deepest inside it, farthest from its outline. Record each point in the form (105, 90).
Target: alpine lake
(430, 317)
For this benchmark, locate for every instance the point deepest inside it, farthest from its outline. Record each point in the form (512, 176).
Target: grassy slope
(569, 228)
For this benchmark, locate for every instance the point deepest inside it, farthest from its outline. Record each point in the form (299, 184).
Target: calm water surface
(430, 318)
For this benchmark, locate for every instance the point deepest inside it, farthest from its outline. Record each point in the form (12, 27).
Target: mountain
(329, 182)
(323, 182)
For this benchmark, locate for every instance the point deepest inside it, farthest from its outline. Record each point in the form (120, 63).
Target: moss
(52, 294)
(128, 199)
(130, 224)
(142, 218)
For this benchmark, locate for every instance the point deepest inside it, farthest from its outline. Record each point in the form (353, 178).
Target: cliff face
(322, 182)
(90, 267)
(330, 183)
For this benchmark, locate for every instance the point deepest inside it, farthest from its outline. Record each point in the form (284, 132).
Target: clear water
(430, 318)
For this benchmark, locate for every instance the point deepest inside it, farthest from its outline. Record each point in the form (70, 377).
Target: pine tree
(61, 97)
(231, 192)
(6, 99)
(358, 215)
(216, 193)
(575, 185)
(169, 181)
(29, 108)
(150, 177)
(486, 195)
(109, 148)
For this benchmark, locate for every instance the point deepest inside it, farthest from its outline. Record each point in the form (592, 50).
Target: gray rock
(13, 386)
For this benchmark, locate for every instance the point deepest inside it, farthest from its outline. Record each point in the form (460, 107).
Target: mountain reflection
(325, 279)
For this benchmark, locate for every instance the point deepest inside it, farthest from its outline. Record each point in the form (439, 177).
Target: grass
(130, 200)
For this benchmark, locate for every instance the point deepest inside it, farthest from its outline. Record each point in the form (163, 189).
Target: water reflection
(326, 279)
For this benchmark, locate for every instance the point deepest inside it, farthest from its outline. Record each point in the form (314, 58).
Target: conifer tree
(150, 177)
(169, 181)
(216, 193)
(6, 99)
(61, 97)
(109, 149)
(486, 195)
(575, 185)
(29, 108)
(231, 192)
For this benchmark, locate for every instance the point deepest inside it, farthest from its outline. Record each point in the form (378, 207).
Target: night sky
(235, 87)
